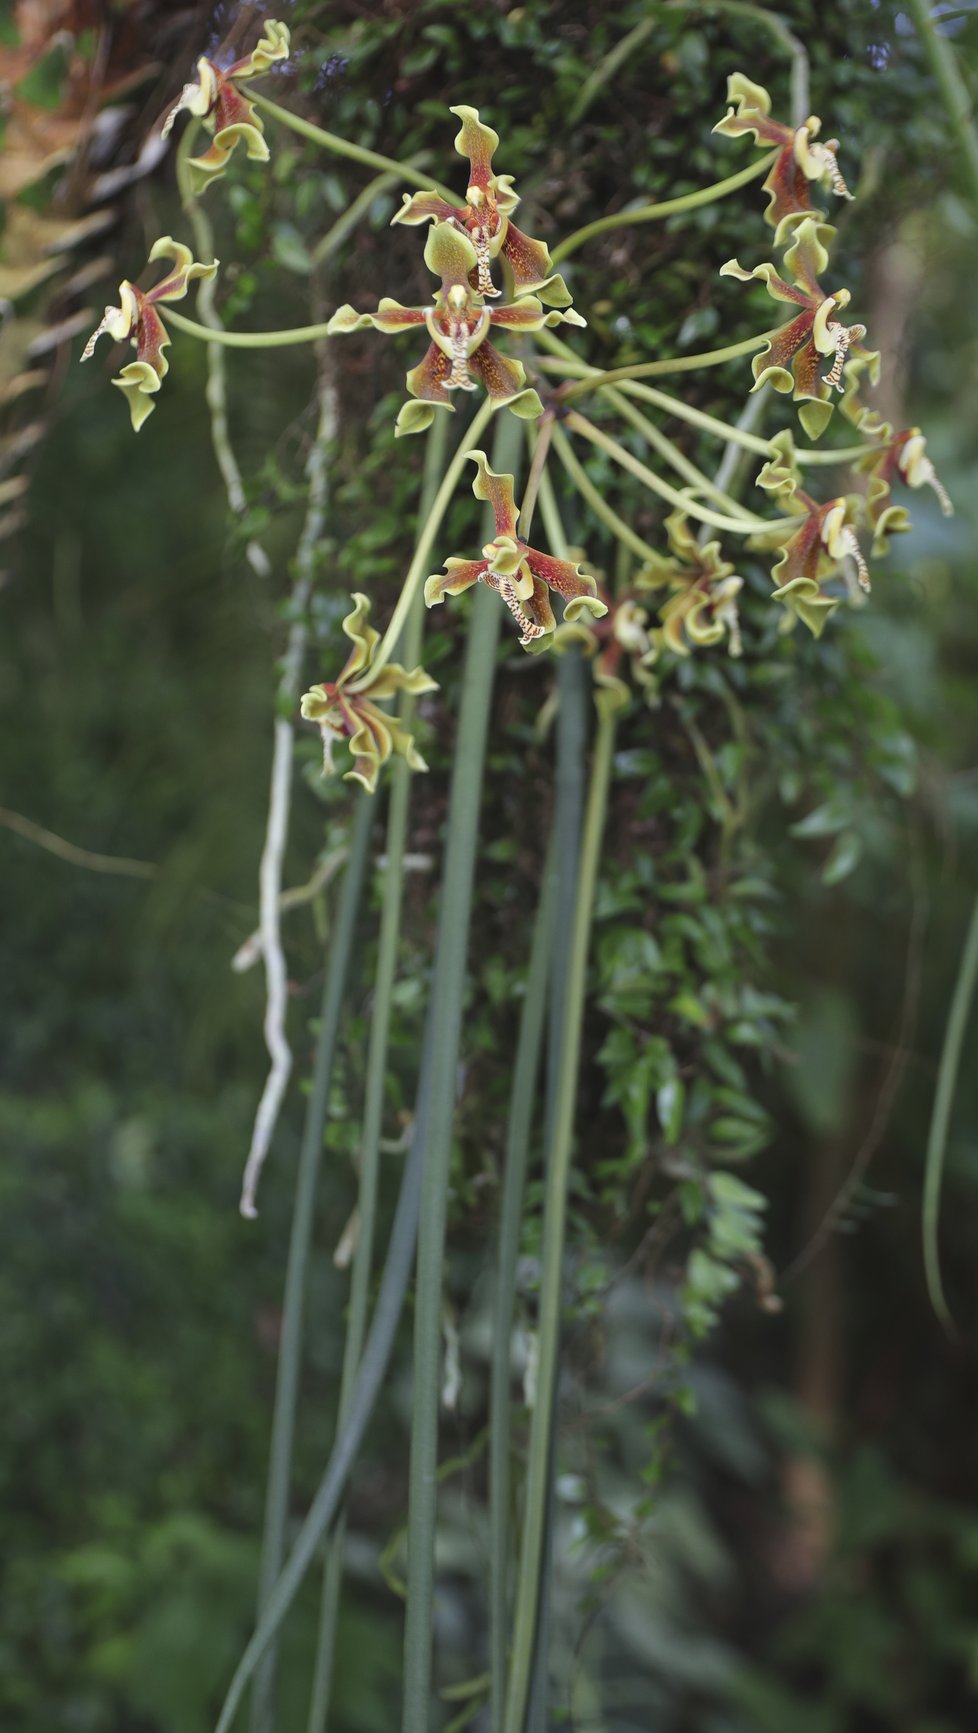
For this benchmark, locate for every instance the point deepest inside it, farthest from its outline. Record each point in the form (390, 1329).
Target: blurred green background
(774, 1530)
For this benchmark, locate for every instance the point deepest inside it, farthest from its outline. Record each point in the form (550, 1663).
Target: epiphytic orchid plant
(675, 591)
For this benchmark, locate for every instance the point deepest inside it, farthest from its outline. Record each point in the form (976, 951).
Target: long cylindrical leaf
(447, 997)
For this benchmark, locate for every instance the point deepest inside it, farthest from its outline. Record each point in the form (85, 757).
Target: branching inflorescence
(495, 280)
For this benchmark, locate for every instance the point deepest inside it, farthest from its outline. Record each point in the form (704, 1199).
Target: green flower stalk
(903, 458)
(460, 355)
(521, 575)
(137, 319)
(486, 218)
(347, 708)
(702, 606)
(227, 114)
(794, 355)
(803, 160)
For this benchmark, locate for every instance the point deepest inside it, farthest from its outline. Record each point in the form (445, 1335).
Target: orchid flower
(702, 608)
(227, 114)
(458, 322)
(793, 357)
(824, 539)
(521, 575)
(802, 157)
(347, 709)
(612, 645)
(486, 218)
(904, 458)
(137, 318)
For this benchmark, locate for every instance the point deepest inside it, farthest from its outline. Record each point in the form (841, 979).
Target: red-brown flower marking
(802, 159)
(227, 114)
(521, 575)
(137, 318)
(485, 218)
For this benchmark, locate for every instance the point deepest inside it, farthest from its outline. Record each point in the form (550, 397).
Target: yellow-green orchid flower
(521, 575)
(793, 358)
(702, 608)
(824, 539)
(486, 217)
(458, 322)
(902, 458)
(347, 708)
(803, 159)
(228, 115)
(137, 318)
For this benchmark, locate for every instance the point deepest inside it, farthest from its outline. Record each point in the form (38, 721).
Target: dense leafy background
(772, 1524)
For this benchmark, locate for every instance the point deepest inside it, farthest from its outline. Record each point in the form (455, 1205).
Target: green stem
(608, 65)
(527, 1064)
(741, 526)
(555, 1212)
(668, 207)
(355, 152)
(422, 553)
(596, 500)
(733, 462)
(290, 1349)
(374, 1092)
(954, 91)
(246, 339)
(447, 1006)
(538, 466)
(947, 1076)
(729, 432)
(677, 459)
(677, 364)
(348, 220)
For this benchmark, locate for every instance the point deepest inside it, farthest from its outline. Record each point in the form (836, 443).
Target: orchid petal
(427, 208)
(458, 576)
